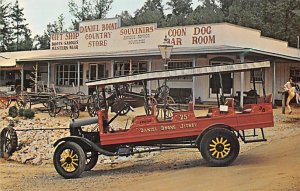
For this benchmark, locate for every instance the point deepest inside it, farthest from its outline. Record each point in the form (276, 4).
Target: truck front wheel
(69, 160)
(219, 147)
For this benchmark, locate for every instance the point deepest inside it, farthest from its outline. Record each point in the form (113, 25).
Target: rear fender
(218, 125)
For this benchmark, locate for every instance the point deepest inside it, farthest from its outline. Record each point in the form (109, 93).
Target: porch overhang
(224, 49)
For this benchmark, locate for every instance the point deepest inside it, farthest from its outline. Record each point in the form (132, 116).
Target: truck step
(252, 135)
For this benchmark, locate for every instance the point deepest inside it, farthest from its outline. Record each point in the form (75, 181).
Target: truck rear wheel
(91, 160)
(219, 147)
(69, 160)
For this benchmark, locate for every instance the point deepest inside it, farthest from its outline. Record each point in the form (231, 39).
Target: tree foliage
(151, 12)
(5, 31)
(20, 31)
(43, 41)
(88, 10)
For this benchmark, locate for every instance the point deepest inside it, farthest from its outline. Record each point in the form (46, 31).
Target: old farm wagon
(215, 135)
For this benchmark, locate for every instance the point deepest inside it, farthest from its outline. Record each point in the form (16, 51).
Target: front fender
(85, 144)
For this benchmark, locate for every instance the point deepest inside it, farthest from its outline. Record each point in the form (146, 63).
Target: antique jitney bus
(215, 134)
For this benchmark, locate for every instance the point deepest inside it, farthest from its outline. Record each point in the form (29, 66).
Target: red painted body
(185, 124)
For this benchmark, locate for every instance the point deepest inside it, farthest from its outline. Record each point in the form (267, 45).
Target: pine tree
(5, 31)
(88, 10)
(21, 32)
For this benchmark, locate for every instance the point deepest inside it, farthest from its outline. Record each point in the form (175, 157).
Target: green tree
(273, 17)
(181, 10)
(43, 41)
(5, 31)
(21, 32)
(126, 18)
(207, 12)
(88, 10)
(151, 12)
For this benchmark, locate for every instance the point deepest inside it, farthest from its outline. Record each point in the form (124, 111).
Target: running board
(251, 137)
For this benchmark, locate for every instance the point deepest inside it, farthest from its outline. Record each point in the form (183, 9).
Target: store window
(97, 71)
(258, 77)
(180, 65)
(123, 68)
(295, 73)
(67, 74)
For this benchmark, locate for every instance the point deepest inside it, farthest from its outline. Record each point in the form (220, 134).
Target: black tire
(9, 141)
(74, 109)
(69, 160)
(219, 147)
(91, 160)
(52, 110)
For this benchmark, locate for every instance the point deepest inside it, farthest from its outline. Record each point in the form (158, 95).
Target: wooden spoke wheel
(73, 109)
(91, 160)
(170, 100)
(23, 101)
(9, 141)
(219, 147)
(69, 160)
(52, 108)
(94, 104)
(80, 93)
(120, 105)
(163, 91)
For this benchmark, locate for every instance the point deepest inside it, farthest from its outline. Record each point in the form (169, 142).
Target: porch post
(111, 69)
(112, 72)
(149, 70)
(242, 81)
(194, 81)
(130, 67)
(274, 82)
(22, 79)
(49, 74)
(78, 75)
(36, 77)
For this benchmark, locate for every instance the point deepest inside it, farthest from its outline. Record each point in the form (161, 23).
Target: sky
(41, 12)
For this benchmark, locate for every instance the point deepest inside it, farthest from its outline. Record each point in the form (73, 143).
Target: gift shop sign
(64, 41)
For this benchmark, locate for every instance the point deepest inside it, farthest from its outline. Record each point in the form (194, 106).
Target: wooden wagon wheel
(170, 100)
(52, 109)
(23, 101)
(9, 141)
(73, 109)
(120, 105)
(94, 104)
(163, 91)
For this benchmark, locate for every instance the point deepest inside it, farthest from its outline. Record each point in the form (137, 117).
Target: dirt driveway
(272, 165)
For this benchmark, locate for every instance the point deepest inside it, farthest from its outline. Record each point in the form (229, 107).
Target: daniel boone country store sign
(107, 36)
